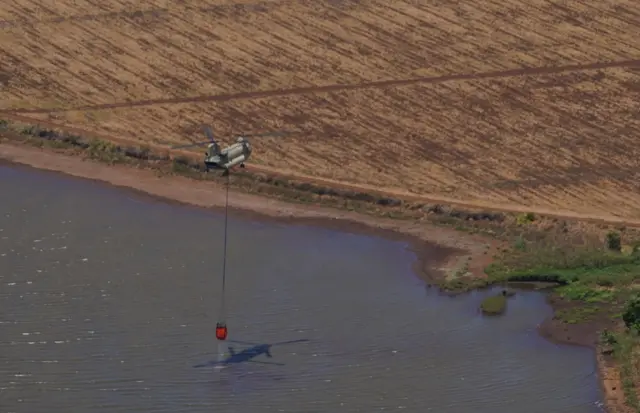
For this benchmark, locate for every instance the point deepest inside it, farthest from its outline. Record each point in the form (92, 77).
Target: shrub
(608, 338)
(527, 218)
(614, 241)
(494, 305)
(631, 315)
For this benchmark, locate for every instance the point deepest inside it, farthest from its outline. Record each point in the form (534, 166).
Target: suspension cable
(224, 254)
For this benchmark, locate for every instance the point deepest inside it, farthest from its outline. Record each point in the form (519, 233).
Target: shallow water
(108, 303)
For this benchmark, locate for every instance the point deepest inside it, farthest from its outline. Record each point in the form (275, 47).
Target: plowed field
(531, 103)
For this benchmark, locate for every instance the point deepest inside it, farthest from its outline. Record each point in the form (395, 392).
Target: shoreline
(444, 247)
(439, 250)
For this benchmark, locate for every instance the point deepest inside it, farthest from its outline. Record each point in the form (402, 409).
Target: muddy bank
(586, 334)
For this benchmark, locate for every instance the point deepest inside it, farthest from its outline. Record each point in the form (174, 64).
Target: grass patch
(463, 284)
(589, 275)
(103, 151)
(526, 218)
(577, 315)
(494, 305)
(625, 352)
(592, 279)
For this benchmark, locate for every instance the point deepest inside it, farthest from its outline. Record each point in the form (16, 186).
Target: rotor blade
(189, 145)
(207, 131)
(265, 362)
(303, 340)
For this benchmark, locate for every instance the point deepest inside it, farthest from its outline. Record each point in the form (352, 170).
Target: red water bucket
(221, 331)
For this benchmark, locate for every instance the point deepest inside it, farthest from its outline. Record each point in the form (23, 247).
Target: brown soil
(486, 103)
(194, 47)
(614, 398)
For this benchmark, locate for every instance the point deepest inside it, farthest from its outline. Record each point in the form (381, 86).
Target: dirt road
(335, 88)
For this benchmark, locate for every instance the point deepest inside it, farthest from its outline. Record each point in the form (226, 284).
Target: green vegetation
(600, 280)
(494, 305)
(608, 338)
(461, 284)
(631, 315)
(587, 274)
(614, 242)
(577, 315)
(527, 218)
(597, 281)
(625, 346)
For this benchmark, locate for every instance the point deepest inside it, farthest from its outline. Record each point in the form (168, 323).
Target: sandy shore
(613, 394)
(440, 251)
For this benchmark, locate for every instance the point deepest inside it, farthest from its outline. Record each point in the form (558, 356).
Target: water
(108, 303)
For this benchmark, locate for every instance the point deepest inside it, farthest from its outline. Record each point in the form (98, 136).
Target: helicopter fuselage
(229, 157)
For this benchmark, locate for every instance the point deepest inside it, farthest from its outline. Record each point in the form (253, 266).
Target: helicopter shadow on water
(248, 354)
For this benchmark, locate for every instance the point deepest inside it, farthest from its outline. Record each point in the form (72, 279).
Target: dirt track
(336, 88)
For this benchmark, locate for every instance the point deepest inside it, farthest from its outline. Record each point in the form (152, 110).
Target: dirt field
(430, 97)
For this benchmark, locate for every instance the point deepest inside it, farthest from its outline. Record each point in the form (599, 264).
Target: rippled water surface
(108, 303)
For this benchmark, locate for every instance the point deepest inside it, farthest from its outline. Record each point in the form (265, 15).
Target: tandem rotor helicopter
(225, 159)
(235, 154)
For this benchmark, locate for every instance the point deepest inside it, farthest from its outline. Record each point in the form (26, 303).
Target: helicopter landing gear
(241, 165)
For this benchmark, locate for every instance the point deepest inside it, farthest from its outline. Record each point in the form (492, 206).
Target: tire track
(384, 192)
(527, 71)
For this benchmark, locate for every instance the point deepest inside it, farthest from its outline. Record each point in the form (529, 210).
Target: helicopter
(248, 354)
(235, 154)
